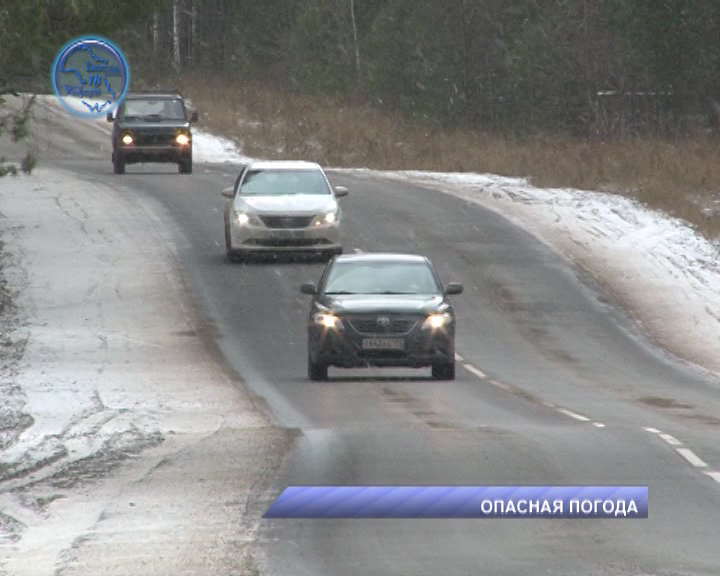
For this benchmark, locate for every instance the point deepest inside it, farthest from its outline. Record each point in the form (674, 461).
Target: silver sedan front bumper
(252, 238)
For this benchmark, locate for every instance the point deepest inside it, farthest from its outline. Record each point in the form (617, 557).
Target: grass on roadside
(680, 177)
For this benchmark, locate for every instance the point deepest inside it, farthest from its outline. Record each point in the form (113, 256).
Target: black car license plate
(383, 344)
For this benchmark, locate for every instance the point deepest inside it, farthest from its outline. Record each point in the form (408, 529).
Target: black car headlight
(127, 139)
(437, 321)
(327, 321)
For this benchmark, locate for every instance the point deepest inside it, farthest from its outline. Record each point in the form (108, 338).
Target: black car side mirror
(453, 288)
(194, 117)
(109, 117)
(308, 288)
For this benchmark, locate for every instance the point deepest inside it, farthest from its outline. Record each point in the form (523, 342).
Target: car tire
(317, 372)
(185, 166)
(445, 371)
(118, 164)
(234, 257)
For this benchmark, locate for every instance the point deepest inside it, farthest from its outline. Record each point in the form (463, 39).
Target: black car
(152, 127)
(385, 310)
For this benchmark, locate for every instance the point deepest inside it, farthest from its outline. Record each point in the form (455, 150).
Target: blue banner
(461, 502)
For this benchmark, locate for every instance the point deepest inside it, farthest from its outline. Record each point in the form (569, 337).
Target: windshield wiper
(342, 292)
(152, 118)
(393, 293)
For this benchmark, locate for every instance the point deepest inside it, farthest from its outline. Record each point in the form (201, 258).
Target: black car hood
(381, 303)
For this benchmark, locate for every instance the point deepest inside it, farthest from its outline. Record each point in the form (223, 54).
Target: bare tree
(177, 60)
(355, 40)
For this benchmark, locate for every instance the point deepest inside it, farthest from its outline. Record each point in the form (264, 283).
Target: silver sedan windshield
(282, 182)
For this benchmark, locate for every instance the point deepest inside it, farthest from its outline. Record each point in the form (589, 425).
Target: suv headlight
(328, 219)
(437, 321)
(182, 139)
(247, 219)
(127, 139)
(327, 320)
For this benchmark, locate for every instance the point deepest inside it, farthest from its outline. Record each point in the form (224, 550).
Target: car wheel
(317, 372)
(444, 371)
(185, 166)
(118, 165)
(234, 257)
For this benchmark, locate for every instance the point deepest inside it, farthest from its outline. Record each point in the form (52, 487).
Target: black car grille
(375, 325)
(287, 221)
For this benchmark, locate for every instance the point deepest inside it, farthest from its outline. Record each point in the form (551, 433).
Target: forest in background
(608, 68)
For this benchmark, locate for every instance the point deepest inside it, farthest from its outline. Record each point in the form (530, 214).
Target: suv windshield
(154, 109)
(381, 278)
(282, 182)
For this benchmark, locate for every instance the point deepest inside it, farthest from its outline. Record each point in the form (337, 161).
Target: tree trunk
(176, 35)
(355, 40)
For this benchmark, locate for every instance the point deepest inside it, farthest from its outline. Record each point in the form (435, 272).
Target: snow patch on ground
(102, 366)
(667, 274)
(209, 148)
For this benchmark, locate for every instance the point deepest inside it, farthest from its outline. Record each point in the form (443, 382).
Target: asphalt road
(558, 391)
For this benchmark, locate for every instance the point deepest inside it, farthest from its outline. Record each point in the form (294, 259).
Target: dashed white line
(475, 371)
(579, 417)
(652, 430)
(671, 440)
(598, 425)
(459, 358)
(357, 251)
(714, 475)
(691, 457)
(500, 385)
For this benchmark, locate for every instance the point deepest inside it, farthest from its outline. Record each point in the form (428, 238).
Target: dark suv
(152, 127)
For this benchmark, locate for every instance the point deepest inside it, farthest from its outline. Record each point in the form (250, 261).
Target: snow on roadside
(659, 267)
(112, 372)
(209, 148)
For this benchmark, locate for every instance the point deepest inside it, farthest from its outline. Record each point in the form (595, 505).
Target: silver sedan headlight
(246, 219)
(328, 219)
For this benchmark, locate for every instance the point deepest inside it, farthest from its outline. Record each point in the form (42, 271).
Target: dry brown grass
(681, 177)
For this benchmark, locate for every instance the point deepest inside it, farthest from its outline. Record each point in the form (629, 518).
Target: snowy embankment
(666, 275)
(117, 420)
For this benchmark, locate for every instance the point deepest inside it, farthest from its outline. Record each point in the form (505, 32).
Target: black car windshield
(155, 109)
(282, 182)
(381, 278)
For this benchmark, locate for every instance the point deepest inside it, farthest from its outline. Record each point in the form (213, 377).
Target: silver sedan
(282, 206)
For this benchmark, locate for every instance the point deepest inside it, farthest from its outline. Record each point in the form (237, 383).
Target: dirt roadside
(124, 447)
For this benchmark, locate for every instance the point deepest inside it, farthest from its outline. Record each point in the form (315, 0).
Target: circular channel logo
(90, 76)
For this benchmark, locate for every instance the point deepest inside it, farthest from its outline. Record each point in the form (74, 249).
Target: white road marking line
(671, 440)
(475, 371)
(598, 425)
(459, 358)
(652, 430)
(579, 417)
(357, 251)
(691, 457)
(549, 404)
(714, 475)
(500, 385)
